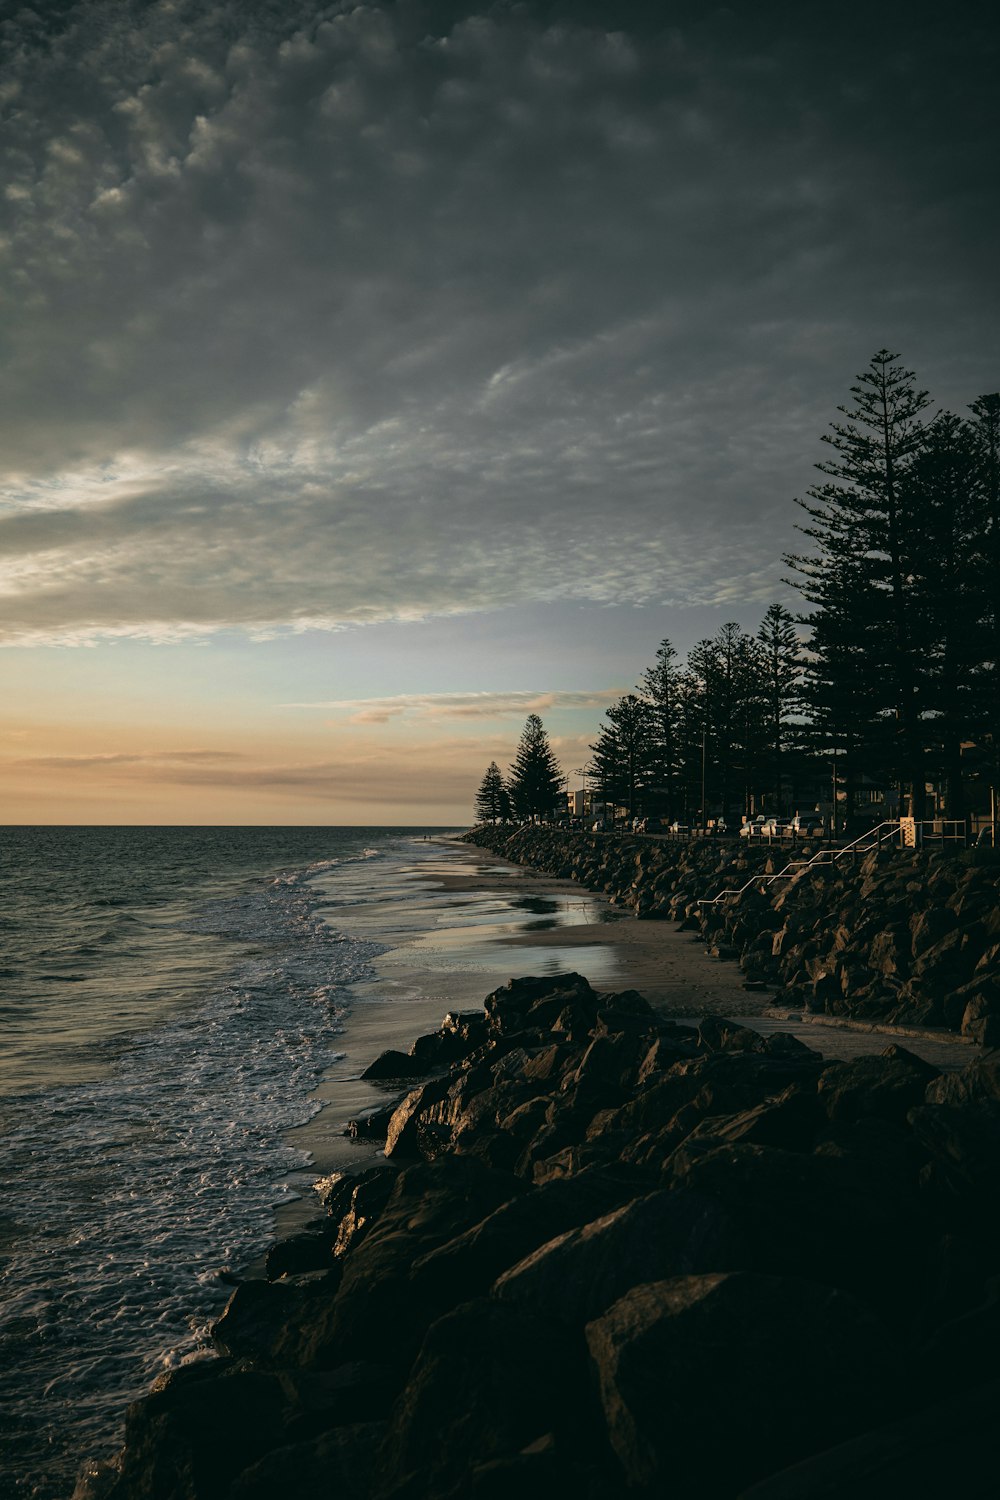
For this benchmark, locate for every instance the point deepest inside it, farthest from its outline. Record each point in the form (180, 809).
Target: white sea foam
(128, 1195)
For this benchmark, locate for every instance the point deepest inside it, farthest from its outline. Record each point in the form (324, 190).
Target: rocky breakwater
(893, 936)
(610, 1255)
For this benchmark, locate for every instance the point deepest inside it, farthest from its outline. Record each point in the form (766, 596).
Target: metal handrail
(822, 856)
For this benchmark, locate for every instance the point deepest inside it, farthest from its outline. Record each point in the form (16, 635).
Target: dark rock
(886, 1086)
(611, 1063)
(402, 1135)
(978, 1082)
(369, 1195)
(981, 1014)
(488, 1382)
(460, 1032)
(951, 960)
(929, 926)
(259, 1313)
(507, 1008)
(719, 1035)
(372, 1126)
(466, 1266)
(709, 1382)
(318, 1400)
(375, 1308)
(577, 1276)
(334, 1192)
(337, 1463)
(309, 1250)
(815, 1215)
(947, 1449)
(964, 1145)
(199, 1427)
(790, 1121)
(393, 1065)
(543, 1470)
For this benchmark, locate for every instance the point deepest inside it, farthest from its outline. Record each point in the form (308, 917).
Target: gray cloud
(333, 314)
(112, 758)
(477, 705)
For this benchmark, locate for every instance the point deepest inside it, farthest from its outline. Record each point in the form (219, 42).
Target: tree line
(890, 676)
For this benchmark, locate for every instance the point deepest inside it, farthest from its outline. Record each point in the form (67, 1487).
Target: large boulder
(947, 1449)
(886, 1086)
(260, 1315)
(819, 1216)
(578, 1275)
(711, 1382)
(466, 1266)
(338, 1463)
(488, 1382)
(431, 1203)
(199, 1427)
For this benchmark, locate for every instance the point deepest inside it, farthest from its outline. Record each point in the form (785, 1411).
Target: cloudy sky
(375, 374)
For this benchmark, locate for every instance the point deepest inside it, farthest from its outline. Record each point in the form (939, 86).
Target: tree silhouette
(863, 529)
(781, 693)
(661, 686)
(492, 799)
(535, 780)
(625, 753)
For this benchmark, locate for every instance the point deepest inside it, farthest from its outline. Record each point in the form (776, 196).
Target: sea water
(169, 999)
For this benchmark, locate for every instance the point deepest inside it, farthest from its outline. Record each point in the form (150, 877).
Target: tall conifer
(863, 530)
(781, 694)
(492, 799)
(660, 686)
(535, 780)
(624, 763)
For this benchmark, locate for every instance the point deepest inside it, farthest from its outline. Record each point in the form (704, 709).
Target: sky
(376, 374)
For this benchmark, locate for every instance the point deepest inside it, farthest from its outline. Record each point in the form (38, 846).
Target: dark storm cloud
(339, 313)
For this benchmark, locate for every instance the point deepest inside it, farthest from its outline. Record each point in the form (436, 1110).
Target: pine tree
(535, 781)
(729, 670)
(946, 568)
(624, 761)
(986, 434)
(660, 686)
(863, 530)
(492, 799)
(781, 683)
(692, 742)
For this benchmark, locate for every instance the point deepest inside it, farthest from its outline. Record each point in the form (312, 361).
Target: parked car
(773, 828)
(679, 828)
(752, 828)
(808, 824)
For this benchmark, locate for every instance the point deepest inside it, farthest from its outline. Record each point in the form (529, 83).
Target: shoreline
(464, 946)
(470, 938)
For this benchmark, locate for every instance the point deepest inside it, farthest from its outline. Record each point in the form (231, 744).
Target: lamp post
(833, 797)
(583, 772)
(704, 810)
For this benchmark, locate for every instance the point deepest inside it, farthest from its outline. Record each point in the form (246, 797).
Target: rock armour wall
(608, 1255)
(907, 938)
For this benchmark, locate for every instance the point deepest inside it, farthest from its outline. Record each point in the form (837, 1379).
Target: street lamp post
(833, 796)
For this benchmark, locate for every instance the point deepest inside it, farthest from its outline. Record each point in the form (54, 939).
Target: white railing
(873, 839)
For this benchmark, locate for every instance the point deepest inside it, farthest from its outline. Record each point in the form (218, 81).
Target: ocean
(170, 998)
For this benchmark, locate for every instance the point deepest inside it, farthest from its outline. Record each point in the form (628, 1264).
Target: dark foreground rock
(612, 1256)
